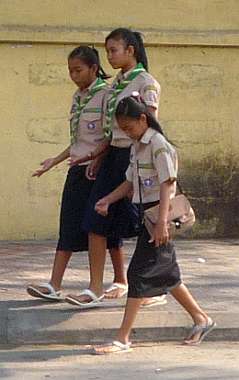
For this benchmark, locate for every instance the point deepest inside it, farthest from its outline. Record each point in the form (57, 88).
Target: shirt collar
(121, 76)
(145, 139)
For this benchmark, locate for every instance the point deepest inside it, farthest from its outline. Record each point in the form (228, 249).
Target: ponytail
(100, 72)
(141, 54)
(134, 39)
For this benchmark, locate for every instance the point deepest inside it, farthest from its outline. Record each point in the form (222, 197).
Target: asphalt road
(164, 361)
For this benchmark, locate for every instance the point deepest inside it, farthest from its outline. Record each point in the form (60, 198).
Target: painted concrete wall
(193, 52)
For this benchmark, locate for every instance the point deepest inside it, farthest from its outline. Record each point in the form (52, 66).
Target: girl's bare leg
(185, 298)
(118, 261)
(60, 263)
(131, 309)
(97, 254)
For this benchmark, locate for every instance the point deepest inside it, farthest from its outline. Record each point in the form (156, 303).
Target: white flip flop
(116, 348)
(116, 286)
(53, 295)
(156, 301)
(96, 301)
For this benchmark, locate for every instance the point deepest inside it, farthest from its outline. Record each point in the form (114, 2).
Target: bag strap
(141, 207)
(180, 188)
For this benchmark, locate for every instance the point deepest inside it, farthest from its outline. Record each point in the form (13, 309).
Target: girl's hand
(92, 169)
(46, 165)
(102, 206)
(160, 234)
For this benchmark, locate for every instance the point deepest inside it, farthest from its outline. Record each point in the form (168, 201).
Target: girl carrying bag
(181, 216)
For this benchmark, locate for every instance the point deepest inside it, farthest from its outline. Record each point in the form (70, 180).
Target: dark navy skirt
(75, 195)
(153, 271)
(122, 220)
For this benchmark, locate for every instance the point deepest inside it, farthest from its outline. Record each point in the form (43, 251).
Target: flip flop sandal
(202, 330)
(118, 286)
(156, 301)
(53, 295)
(95, 301)
(115, 347)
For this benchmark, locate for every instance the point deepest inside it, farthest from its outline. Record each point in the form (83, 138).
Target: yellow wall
(193, 52)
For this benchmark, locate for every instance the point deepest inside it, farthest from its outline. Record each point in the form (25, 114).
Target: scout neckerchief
(111, 104)
(74, 124)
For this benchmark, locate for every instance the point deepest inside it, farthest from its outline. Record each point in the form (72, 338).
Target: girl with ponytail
(85, 135)
(125, 51)
(153, 269)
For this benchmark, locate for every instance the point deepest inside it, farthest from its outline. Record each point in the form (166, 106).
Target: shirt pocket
(149, 180)
(92, 122)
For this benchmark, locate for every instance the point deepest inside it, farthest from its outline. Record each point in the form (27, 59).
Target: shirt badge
(91, 126)
(148, 182)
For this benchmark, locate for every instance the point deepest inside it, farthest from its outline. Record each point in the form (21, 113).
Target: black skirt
(75, 195)
(122, 220)
(153, 271)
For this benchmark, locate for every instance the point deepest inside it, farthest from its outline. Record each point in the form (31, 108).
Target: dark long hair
(134, 39)
(133, 107)
(90, 57)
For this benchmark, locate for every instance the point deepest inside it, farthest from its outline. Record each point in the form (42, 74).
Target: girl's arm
(120, 192)
(93, 167)
(99, 151)
(161, 234)
(62, 156)
(51, 162)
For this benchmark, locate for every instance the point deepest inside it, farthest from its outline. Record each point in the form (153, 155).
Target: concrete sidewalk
(24, 320)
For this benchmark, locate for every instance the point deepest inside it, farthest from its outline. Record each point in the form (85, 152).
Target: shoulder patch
(150, 88)
(159, 151)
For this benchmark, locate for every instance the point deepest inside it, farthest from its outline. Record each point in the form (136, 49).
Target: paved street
(25, 321)
(166, 361)
(210, 268)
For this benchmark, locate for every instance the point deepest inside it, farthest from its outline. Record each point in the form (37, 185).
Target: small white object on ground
(201, 260)
(158, 370)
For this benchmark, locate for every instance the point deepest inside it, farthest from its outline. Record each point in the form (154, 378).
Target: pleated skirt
(122, 220)
(76, 192)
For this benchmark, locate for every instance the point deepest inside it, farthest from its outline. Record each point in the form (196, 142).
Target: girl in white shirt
(153, 269)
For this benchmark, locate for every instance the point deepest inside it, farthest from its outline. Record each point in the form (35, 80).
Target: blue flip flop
(202, 330)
